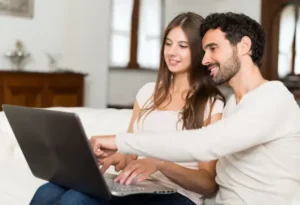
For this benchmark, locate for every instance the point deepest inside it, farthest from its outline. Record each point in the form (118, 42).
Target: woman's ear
(245, 46)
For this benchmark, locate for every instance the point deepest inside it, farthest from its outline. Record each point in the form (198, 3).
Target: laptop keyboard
(114, 186)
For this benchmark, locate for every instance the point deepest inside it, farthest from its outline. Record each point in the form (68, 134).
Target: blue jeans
(51, 194)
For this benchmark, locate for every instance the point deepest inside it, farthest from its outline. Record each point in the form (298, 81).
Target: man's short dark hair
(236, 26)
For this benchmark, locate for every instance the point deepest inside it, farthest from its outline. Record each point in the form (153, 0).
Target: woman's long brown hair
(201, 87)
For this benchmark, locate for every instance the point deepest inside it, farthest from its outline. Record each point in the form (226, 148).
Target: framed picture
(21, 8)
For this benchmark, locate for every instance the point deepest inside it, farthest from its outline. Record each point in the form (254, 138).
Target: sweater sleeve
(253, 122)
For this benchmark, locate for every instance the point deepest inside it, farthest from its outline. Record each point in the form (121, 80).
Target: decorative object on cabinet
(17, 56)
(52, 62)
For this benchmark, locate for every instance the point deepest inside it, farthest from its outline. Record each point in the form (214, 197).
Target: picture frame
(18, 8)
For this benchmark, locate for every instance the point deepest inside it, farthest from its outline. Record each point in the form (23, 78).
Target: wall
(43, 33)
(251, 8)
(86, 46)
(123, 85)
(205, 7)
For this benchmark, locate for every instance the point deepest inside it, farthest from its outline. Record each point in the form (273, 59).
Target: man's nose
(206, 59)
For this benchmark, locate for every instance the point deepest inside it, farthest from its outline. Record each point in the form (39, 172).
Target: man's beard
(228, 70)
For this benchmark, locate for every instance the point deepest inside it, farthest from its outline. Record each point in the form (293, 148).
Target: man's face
(221, 58)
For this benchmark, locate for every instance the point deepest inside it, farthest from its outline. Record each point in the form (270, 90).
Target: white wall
(86, 46)
(251, 8)
(123, 85)
(201, 7)
(43, 33)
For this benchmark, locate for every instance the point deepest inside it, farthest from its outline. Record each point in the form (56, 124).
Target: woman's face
(177, 51)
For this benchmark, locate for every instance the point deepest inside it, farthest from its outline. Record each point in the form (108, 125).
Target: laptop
(57, 150)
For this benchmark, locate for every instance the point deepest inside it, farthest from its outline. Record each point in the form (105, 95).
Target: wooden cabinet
(36, 89)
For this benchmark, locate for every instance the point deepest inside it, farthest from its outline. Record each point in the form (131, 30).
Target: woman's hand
(138, 170)
(118, 160)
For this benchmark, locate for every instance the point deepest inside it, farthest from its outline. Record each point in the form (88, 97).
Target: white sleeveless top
(165, 121)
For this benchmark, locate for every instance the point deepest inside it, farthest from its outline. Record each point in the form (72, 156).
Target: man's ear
(245, 46)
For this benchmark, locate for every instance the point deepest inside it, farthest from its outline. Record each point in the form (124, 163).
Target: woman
(183, 97)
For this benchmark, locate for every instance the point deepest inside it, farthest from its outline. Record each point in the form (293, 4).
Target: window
(281, 23)
(286, 39)
(289, 37)
(280, 19)
(136, 32)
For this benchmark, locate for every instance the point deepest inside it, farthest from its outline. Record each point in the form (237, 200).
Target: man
(258, 140)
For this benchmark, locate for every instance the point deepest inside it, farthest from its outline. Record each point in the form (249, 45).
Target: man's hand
(138, 170)
(103, 146)
(118, 160)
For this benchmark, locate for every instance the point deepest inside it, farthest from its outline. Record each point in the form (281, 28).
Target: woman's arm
(201, 181)
(135, 114)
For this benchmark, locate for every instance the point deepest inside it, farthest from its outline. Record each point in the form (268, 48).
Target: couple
(252, 154)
